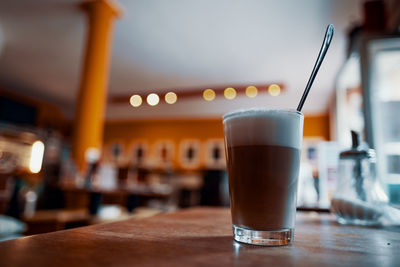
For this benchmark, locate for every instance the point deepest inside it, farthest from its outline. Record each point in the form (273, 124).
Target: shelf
(392, 178)
(392, 148)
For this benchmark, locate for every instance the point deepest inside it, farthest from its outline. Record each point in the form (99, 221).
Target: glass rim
(251, 111)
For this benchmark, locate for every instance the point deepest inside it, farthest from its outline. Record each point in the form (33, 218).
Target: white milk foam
(261, 126)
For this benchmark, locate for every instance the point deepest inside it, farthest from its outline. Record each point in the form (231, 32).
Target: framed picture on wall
(164, 152)
(138, 152)
(214, 156)
(189, 153)
(114, 152)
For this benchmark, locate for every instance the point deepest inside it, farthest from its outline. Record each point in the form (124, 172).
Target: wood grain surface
(203, 237)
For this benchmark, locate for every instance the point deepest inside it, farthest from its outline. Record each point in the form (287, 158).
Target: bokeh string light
(152, 99)
(171, 98)
(209, 94)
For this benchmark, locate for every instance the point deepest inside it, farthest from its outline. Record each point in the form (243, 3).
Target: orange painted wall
(153, 130)
(202, 129)
(317, 126)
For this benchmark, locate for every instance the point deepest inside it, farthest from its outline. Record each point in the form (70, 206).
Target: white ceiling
(178, 44)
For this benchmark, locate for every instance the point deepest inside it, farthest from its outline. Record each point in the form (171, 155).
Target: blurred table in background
(76, 198)
(44, 221)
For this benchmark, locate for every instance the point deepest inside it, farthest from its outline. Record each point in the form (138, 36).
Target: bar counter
(203, 237)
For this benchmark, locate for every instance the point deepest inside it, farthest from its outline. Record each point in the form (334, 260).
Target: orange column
(91, 101)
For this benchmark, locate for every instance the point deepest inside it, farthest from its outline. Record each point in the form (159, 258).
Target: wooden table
(203, 237)
(43, 221)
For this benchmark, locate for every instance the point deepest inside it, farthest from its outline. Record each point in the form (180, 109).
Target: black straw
(324, 48)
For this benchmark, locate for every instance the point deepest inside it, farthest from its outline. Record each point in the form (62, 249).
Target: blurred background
(112, 109)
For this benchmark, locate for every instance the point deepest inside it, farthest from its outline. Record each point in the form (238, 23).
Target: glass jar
(358, 198)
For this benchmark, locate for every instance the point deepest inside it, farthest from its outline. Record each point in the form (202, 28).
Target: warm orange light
(251, 91)
(135, 101)
(209, 94)
(35, 162)
(230, 93)
(171, 97)
(152, 99)
(274, 90)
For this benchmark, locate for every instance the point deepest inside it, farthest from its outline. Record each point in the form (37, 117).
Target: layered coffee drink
(263, 157)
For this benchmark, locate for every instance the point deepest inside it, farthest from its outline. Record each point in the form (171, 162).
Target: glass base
(263, 238)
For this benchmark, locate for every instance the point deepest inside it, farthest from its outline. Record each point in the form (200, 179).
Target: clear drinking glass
(263, 158)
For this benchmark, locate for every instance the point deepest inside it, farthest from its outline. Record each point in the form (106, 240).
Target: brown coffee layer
(263, 186)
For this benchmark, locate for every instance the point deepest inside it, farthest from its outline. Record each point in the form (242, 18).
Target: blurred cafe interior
(113, 109)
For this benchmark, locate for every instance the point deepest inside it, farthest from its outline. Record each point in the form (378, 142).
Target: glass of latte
(263, 158)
